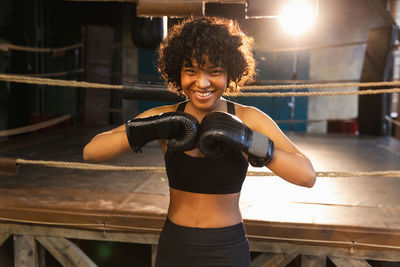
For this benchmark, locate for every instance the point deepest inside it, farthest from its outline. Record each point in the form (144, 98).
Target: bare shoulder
(254, 117)
(259, 121)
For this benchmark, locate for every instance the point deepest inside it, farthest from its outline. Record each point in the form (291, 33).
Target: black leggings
(185, 246)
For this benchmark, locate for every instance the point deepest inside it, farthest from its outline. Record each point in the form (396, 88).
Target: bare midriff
(204, 210)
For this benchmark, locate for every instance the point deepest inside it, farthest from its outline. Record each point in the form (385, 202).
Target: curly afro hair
(218, 38)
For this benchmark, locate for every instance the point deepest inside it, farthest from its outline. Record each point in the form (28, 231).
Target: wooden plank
(42, 255)
(345, 262)
(64, 232)
(267, 245)
(153, 255)
(66, 252)
(3, 238)
(321, 250)
(25, 251)
(313, 261)
(268, 259)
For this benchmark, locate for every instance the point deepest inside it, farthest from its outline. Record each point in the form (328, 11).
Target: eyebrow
(218, 65)
(189, 64)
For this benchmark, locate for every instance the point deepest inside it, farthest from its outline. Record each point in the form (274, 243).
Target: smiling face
(203, 84)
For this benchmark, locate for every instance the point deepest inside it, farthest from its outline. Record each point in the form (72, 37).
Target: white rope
(161, 170)
(6, 47)
(34, 127)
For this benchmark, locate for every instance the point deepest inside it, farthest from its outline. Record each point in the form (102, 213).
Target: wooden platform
(348, 220)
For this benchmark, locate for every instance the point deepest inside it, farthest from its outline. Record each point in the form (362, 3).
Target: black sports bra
(224, 175)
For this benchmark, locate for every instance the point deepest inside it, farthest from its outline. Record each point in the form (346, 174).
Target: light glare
(297, 17)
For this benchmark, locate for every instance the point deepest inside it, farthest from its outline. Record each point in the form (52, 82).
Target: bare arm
(288, 161)
(107, 145)
(110, 144)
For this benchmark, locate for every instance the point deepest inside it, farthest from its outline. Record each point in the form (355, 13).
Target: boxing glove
(179, 128)
(220, 130)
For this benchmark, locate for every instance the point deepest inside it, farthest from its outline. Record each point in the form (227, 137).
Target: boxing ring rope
(6, 47)
(12, 166)
(159, 89)
(35, 127)
(56, 82)
(70, 83)
(329, 93)
(87, 166)
(320, 85)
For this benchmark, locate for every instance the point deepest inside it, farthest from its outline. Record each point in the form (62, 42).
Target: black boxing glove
(219, 130)
(179, 128)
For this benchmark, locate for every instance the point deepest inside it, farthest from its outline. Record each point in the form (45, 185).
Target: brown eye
(189, 71)
(216, 72)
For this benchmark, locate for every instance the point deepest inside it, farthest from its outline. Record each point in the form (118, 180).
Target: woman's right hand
(161, 123)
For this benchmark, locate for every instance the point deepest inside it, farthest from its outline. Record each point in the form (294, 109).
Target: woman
(207, 142)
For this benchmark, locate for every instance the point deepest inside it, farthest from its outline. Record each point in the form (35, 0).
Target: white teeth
(203, 94)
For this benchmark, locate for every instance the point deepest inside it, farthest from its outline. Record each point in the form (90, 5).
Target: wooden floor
(346, 219)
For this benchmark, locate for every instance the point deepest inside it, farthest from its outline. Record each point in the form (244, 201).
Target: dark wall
(47, 24)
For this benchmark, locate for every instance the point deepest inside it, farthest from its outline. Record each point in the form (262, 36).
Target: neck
(200, 113)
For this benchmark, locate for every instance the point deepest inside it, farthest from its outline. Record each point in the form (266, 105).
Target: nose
(202, 81)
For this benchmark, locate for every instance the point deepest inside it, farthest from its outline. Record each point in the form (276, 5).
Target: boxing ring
(347, 220)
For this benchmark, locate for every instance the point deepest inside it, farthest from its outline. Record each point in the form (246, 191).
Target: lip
(203, 94)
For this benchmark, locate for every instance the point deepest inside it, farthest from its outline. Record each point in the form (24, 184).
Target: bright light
(165, 26)
(297, 16)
